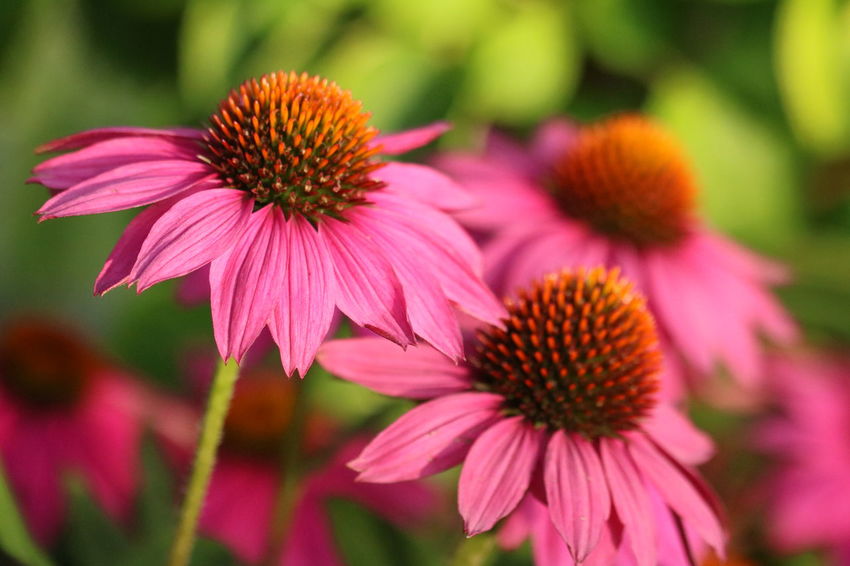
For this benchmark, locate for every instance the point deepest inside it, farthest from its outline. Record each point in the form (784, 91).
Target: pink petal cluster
(709, 296)
(599, 493)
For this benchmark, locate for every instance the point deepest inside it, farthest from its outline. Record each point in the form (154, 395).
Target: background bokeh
(758, 91)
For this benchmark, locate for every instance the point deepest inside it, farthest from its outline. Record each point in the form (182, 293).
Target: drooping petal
(90, 137)
(677, 490)
(70, 169)
(629, 499)
(497, 473)
(420, 372)
(304, 311)
(428, 439)
(426, 185)
(578, 498)
(678, 436)
(125, 187)
(245, 283)
(310, 539)
(367, 288)
(408, 140)
(192, 233)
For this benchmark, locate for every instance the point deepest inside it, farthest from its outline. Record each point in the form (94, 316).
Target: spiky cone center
(260, 414)
(295, 141)
(628, 178)
(579, 352)
(45, 366)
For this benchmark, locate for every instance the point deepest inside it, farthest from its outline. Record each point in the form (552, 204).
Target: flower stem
(475, 551)
(217, 405)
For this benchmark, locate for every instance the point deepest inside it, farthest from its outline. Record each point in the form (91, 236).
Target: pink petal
(507, 152)
(402, 142)
(90, 137)
(426, 185)
(552, 141)
(630, 500)
(67, 170)
(310, 540)
(195, 287)
(427, 439)
(431, 317)
(196, 230)
(678, 436)
(578, 498)
(368, 290)
(245, 283)
(420, 372)
(677, 490)
(497, 473)
(125, 187)
(305, 308)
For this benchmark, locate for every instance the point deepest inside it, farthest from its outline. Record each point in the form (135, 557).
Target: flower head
(64, 410)
(559, 406)
(620, 193)
(286, 200)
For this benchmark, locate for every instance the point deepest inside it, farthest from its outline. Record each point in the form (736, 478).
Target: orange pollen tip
(299, 142)
(579, 352)
(628, 178)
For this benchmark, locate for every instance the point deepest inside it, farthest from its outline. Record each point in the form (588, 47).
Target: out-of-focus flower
(560, 406)
(286, 200)
(809, 492)
(64, 409)
(240, 505)
(620, 193)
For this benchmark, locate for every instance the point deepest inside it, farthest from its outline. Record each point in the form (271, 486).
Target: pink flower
(560, 406)
(620, 193)
(63, 410)
(286, 201)
(809, 491)
(240, 504)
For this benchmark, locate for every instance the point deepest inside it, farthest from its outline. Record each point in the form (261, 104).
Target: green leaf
(15, 540)
(93, 538)
(813, 78)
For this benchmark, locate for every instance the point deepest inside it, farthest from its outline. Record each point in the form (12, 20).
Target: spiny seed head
(628, 178)
(295, 141)
(260, 412)
(45, 365)
(579, 353)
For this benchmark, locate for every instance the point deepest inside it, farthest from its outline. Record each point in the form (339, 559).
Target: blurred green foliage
(758, 91)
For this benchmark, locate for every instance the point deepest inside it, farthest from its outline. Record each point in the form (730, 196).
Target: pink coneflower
(240, 505)
(560, 406)
(809, 492)
(620, 193)
(64, 410)
(286, 200)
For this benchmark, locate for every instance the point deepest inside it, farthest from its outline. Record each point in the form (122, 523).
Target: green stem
(217, 405)
(475, 551)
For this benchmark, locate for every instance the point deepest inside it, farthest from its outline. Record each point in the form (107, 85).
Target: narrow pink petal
(310, 540)
(90, 137)
(578, 498)
(195, 287)
(431, 317)
(402, 142)
(630, 500)
(518, 526)
(677, 490)
(305, 309)
(678, 436)
(245, 283)
(552, 141)
(420, 372)
(428, 439)
(497, 473)
(509, 153)
(127, 187)
(367, 288)
(196, 230)
(116, 270)
(67, 170)
(426, 185)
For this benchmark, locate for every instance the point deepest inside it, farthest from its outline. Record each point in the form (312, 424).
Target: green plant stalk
(217, 405)
(475, 551)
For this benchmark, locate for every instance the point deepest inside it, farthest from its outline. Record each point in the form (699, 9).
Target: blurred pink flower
(620, 193)
(809, 491)
(240, 504)
(63, 410)
(285, 198)
(561, 406)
